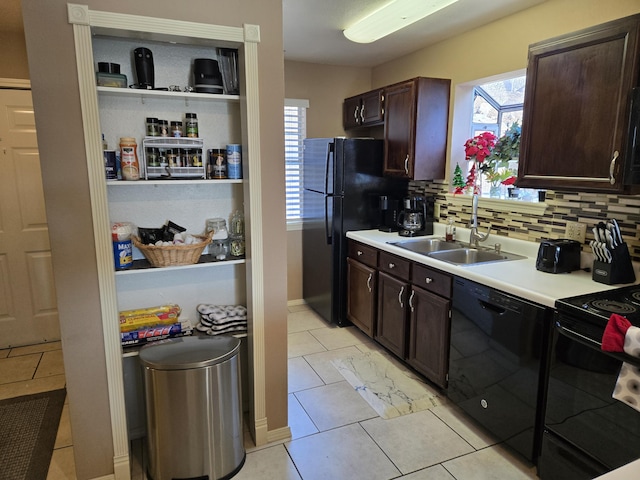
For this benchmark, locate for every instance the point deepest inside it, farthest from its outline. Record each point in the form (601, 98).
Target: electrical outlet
(576, 231)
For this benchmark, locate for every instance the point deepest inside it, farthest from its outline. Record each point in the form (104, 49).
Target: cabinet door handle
(406, 165)
(360, 252)
(362, 113)
(612, 167)
(355, 114)
(400, 297)
(428, 279)
(392, 265)
(413, 292)
(369, 282)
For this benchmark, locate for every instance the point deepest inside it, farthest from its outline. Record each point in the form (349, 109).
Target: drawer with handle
(363, 253)
(397, 266)
(432, 280)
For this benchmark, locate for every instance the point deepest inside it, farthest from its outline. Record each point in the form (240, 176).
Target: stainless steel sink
(427, 245)
(472, 256)
(457, 253)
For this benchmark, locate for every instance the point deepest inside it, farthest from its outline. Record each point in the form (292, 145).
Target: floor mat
(28, 428)
(390, 390)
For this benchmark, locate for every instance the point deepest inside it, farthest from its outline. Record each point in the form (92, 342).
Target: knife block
(620, 270)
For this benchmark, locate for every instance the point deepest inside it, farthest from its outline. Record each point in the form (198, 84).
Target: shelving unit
(186, 96)
(111, 111)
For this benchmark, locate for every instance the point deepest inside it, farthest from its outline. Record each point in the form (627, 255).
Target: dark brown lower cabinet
(391, 331)
(362, 282)
(429, 324)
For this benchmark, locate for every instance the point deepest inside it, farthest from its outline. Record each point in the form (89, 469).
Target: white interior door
(28, 310)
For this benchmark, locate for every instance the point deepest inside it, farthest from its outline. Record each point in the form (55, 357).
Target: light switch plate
(576, 231)
(436, 210)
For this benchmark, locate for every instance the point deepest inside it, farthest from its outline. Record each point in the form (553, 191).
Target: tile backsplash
(562, 207)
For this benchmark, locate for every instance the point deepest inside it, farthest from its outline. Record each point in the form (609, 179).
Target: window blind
(295, 131)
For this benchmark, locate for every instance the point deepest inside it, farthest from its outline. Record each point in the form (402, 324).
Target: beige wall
(325, 87)
(50, 47)
(13, 55)
(501, 46)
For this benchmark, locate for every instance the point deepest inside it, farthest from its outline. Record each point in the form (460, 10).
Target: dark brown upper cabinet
(364, 110)
(415, 128)
(575, 130)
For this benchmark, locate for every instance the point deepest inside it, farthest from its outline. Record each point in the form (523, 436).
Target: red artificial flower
(476, 149)
(479, 147)
(509, 181)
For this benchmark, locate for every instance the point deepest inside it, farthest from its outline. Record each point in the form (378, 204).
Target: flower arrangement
(476, 149)
(491, 158)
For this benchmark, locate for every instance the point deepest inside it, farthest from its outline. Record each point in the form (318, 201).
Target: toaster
(558, 256)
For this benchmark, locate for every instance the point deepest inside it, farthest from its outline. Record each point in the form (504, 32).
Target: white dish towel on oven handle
(621, 336)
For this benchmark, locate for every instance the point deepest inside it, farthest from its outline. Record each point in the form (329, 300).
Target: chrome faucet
(474, 235)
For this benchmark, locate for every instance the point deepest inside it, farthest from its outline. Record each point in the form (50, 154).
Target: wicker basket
(173, 255)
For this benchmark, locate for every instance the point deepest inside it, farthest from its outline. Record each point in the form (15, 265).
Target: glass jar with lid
(236, 243)
(219, 246)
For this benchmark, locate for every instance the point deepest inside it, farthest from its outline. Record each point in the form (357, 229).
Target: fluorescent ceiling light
(392, 17)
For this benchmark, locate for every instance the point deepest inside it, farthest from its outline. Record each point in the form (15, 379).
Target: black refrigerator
(342, 182)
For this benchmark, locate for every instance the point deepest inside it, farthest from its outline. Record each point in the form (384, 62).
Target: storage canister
(219, 246)
(217, 165)
(110, 165)
(122, 246)
(234, 161)
(129, 158)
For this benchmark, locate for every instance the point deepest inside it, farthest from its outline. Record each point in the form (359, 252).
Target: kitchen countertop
(631, 471)
(517, 277)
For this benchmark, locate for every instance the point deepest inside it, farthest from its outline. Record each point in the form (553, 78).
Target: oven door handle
(623, 357)
(579, 337)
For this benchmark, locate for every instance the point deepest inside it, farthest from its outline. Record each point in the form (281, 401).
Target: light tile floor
(35, 369)
(335, 433)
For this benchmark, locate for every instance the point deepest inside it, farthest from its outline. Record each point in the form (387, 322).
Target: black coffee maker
(416, 217)
(388, 209)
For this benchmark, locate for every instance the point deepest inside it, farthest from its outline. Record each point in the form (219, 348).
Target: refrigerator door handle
(330, 150)
(328, 229)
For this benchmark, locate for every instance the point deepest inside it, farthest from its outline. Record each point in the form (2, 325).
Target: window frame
(461, 126)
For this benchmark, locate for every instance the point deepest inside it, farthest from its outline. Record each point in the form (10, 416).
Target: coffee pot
(416, 218)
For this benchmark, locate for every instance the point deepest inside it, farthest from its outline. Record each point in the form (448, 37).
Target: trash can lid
(189, 352)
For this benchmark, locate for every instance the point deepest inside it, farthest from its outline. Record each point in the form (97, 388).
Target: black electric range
(587, 432)
(588, 314)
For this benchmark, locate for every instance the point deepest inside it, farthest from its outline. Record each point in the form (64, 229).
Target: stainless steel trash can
(194, 411)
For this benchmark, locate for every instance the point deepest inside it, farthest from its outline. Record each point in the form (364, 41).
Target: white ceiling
(313, 29)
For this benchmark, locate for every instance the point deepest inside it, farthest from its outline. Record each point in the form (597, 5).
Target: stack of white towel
(219, 319)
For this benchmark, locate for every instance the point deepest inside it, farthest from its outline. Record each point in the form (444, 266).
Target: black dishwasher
(497, 351)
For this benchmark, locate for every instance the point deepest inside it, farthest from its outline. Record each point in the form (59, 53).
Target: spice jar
(129, 158)
(176, 129)
(152, 157)
(153, 128)
(163, 128)
(191, 124)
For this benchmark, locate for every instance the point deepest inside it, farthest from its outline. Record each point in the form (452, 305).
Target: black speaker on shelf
(207, 77)
(144, 68)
